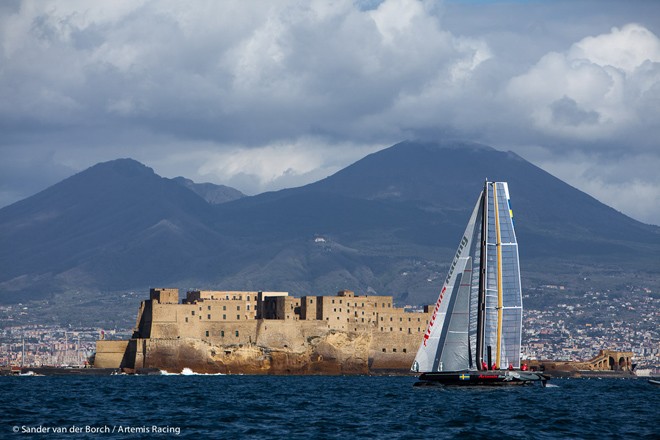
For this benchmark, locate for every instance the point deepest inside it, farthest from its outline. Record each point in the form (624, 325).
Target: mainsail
(478, 315)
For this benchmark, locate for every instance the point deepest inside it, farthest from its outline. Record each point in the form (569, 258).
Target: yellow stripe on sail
(499, 276)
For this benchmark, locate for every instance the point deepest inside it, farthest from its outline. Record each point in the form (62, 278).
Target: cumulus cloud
(596, 89)
(274, 94)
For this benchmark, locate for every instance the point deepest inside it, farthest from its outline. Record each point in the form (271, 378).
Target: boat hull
(481, 378)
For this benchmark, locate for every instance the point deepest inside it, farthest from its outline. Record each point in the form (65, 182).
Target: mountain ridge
(387, 223)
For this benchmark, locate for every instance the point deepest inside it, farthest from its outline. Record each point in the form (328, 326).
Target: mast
(498, 244)
(481, 303)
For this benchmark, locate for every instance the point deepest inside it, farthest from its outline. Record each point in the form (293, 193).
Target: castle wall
(164, 296)
(262, 301)
(248, 300)
(216, 331)
(308, 308)
(109, 354)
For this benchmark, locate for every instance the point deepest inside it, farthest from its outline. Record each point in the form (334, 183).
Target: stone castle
(268, 333)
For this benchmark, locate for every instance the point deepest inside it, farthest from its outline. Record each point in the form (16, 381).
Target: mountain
(112, 226)
(389, 224)
(212, 193)
(446, 177)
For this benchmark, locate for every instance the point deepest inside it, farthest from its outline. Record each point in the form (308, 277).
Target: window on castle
(237, 333)
(394, 350)
(390, 319)
(248, 306)
(186, 319)
(193, 313)
(209, 307)
(222, 333)
(208, 316)
(238, 317)
(238, 307)
(224, 307)
(405, 350)
(384, 350)
(207, 333)
(224, 316)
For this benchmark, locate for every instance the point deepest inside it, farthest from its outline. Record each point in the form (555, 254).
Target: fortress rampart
(268, 333)
(607, 363)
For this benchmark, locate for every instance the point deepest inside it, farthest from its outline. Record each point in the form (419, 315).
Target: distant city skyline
(263, 96)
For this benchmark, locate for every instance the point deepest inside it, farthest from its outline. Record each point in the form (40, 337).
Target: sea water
(322, 407)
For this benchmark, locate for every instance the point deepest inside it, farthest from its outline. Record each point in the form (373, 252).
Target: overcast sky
(262, 95)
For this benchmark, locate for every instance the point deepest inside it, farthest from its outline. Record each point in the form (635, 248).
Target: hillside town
(571, 332)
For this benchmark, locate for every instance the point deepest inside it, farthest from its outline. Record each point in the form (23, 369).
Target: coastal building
(268, 332)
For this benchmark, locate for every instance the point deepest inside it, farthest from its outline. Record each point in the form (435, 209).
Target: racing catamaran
(474, 334)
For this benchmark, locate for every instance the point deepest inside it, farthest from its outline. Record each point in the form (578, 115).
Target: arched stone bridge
(611, 360)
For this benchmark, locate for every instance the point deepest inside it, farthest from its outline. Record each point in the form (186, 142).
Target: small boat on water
(654, 382)
(474, 334)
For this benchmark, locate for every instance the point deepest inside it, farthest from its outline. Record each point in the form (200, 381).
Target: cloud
(215, 72)
(281, 164)
(263, 96)
(623, 183)
(597, 89)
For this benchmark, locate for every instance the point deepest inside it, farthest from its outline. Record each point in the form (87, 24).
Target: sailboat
(474, 334)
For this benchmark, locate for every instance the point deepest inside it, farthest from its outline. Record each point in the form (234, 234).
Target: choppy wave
(188, 372)
(334, 407)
